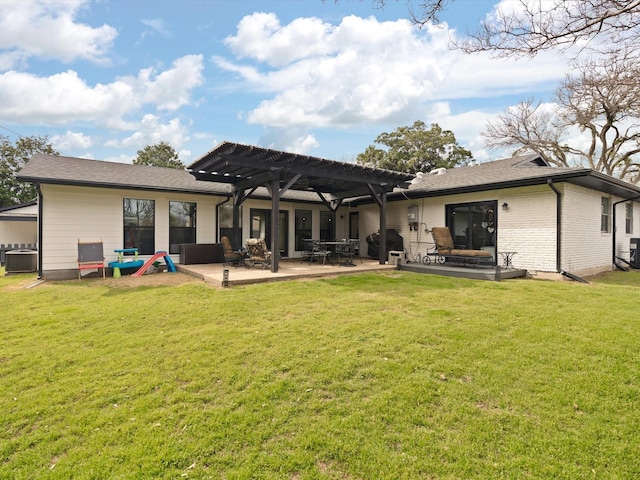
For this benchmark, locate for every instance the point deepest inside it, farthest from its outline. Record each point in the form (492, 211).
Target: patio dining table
(346, 248)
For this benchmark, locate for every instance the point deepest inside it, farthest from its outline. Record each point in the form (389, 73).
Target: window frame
(138, 231)
(628, 218)
(179, 234)
(605, 214)
(303, 227)
(225, 220)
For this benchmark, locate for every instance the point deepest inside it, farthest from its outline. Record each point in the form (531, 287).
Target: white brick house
(554, 218)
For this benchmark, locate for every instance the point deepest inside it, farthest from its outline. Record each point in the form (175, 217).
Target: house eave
(585, 177)
(116, 186)
(146, 188)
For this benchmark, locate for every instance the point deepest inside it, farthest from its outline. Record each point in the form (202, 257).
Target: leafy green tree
(416, 149)
(159, 155)
(12, 158)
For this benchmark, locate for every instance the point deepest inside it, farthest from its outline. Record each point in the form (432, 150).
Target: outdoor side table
(507, 259)
(243, 257)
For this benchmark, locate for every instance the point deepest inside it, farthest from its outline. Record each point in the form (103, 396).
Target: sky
(102, 79)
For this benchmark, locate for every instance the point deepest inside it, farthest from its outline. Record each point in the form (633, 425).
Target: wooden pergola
(248, 167)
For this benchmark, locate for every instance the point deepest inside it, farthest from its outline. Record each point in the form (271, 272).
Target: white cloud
(171, 89)
(71, 141)
(48, 29)
(295, 140)
(184, 156)
(364, 71)
(151, 131)
(65, 98)
(262, 37)
(158, 25)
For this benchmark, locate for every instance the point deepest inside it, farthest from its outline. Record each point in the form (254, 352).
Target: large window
(139, 225)
(303, 228)
(605, 222)
(327, 226)
(628, 218)
(225, 221)
(182, 224)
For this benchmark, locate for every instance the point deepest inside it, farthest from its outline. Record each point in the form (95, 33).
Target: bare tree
(423, 11)
(602, 99)
(533, 26)
(527, 27)
(529, 128)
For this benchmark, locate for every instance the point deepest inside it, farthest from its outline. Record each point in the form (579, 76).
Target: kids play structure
(122, 264)
(157, 256)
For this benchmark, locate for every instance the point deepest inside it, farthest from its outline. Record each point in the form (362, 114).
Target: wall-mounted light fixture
(505, 206)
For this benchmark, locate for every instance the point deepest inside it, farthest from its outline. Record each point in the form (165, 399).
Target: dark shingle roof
(523, 170)
(60, 170)
(511, 172)
(81, 171)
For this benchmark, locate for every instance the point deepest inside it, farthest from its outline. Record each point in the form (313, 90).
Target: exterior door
(261, 228)
(473, 225)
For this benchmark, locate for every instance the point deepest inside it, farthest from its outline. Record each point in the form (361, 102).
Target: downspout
(40, 229)
(613, 236)
(558, 224)
(559, 236)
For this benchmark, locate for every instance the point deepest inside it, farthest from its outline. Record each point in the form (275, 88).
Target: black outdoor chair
(231, 257)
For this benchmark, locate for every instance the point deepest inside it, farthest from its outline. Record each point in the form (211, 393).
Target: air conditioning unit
(21, 261)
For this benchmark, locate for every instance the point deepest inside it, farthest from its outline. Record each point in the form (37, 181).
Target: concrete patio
(289, 269)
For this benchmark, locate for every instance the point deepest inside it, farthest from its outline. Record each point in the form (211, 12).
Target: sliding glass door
(261, 228)
(473, 225)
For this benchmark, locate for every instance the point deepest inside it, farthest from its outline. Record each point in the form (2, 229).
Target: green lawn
(370, 376)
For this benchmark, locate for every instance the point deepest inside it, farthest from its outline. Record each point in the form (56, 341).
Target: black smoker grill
(634, 252)
(394, 242)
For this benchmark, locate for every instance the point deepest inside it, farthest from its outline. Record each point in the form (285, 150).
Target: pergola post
(236, 241)
(381, 200)
(274, 188)
(382, 250)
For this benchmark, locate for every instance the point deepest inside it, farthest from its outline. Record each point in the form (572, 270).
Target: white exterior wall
(341, 226)
(19, 232)
(93, 214)
(585, 247)
(528, 226)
